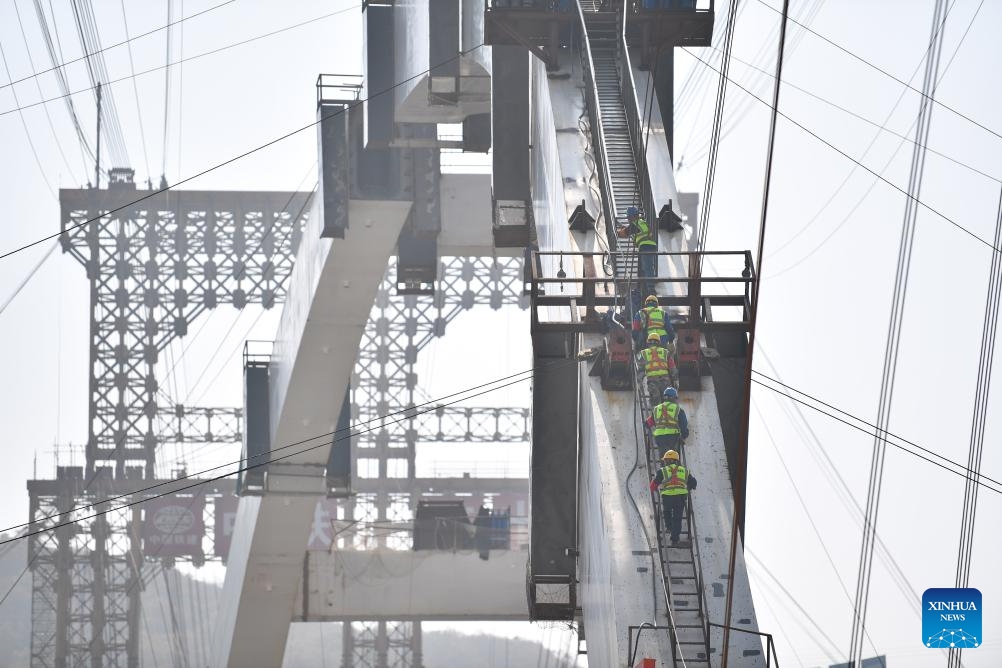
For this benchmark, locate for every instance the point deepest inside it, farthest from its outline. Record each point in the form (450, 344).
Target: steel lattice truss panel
(382, 645)
(384, 382)
(155, 262)
(70, 564)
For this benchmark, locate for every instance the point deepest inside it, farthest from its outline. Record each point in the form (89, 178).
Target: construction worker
(659, 367)
(653, 319)
(675, 482)
(645, 241)
(669, 422)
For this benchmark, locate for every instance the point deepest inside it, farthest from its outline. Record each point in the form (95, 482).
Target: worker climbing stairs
(679, 564)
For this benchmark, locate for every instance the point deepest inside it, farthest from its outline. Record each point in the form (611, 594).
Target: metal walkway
(680, 565)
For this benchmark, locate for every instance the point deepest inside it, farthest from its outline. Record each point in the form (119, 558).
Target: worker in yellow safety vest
(668, 422)
(653, 319)
(646, 242)
(674, 481)
(659, 367)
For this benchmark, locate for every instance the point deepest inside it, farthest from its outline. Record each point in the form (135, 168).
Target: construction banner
(173, 526)
(225, 516)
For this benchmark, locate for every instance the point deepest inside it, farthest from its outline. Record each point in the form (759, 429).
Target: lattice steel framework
(384, 383)
(390, 644)
(154, 266)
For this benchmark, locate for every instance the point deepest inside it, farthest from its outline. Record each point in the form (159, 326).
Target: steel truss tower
(384, 382)
(155, 261)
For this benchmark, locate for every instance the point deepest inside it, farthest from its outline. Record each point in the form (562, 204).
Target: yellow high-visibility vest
(642, 237)
(666, 419)
(655, 361)
(674, 480)
(654, 320)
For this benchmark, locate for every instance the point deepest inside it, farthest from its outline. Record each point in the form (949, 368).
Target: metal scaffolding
(384, 382)
(155, 266)
(155, 261)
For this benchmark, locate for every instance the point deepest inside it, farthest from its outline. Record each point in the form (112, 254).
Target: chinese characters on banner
(173, 526)
(226, 515)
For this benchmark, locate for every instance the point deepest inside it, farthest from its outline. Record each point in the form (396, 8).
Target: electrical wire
(220, 49)
(881, 127)
(894, 330)
(381, 421)
(986, 481)
(129, 40)
(841, 487)
(135, 85)
(718, 112)
(930, 99)
(737, 115)
(97, 72)
(85, 150)
(807, 512)
(38, 87)
(29, 276)
(169, 42)
(236, 157)
(24, 125)
(879, 176)
(978, 422)
(804, 615)
(850, 213)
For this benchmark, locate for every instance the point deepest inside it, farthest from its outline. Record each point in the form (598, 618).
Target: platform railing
(583, 286)
(343, 88)
(771, 658)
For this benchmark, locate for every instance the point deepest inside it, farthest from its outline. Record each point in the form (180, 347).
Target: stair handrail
(649, 447)
(634, 120)
(597, 131)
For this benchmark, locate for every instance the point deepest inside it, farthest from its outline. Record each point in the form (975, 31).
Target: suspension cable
(739, 482)
(894, 329)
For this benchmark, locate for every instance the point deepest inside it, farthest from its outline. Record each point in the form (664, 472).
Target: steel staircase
(680, 565)
(604, 39)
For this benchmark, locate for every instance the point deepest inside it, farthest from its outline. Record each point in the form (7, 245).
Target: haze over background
(828, 274)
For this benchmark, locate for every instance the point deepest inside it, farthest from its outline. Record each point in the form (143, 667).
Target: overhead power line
(832, 146)
(30, 275)
(979, 420)
(27, 132)
(189, 59)
(983, 480)
(907, 85)
(235, 158)
(895, 327)
(86, 54)
(873, 140)
(404, 414)
(882, 127)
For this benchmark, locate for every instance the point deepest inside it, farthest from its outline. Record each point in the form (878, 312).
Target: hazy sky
(825, 296)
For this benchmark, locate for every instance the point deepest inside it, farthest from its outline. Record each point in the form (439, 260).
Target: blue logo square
(951, 618)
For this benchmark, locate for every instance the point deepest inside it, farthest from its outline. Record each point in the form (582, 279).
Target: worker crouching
(674, 482)
(669, 423)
